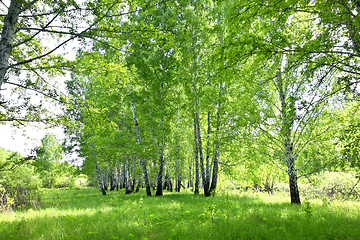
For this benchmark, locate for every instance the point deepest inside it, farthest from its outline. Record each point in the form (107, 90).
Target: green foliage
(18, 187)
(47, 163)
(347, 137)
(264, 77)
(49, 168)
(332, 185)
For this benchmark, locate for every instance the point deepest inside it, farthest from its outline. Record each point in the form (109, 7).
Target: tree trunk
(104, 178)
(133, 183)
(118, 176)
(112, 178)
(215, 160)
(159, 182)
(152, 185)
(142, 160)
(205, 182)
(287, 123)
(294, 191)
(123, 175)
(216, 155)
(207, 174)
(151, 181)
(139, 181)
(214, 173)
(196, 157)
(190, 175)
(127, 176)
(98, 172)
(8, 35)
(168, 176)
(190, 167)
(99, 179)
(177, 171)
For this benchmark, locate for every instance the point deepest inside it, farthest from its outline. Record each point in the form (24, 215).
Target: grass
(86, 214)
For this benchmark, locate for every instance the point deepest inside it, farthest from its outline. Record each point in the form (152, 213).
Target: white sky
(24, 139)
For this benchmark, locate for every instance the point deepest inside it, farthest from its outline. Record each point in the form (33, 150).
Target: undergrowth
(84, 213)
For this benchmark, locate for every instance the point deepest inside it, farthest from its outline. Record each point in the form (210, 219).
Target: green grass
(86, 214)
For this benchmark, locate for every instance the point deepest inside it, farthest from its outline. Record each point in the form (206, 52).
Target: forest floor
(86, 214)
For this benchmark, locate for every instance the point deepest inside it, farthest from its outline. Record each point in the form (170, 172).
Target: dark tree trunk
(98, 172)
(205, 182)
(112, 178)
(124, 177)
(216, 155)
(215, 160)
(178, 171)
(118, 179)
(178, 184)
(146, 179)
(168, 176)
(190, 182)
(196, 162)
(142, 160)
(133, 182)
(159, 182)
(139, 181)
(214, 173)
(294, 191)
(99, 178)
(151, 180)
(207, 174)
(128, 179)
(104, 178)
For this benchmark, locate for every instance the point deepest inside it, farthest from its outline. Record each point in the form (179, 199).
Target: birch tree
(288, 62)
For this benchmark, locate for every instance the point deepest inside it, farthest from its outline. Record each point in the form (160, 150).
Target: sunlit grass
(86, 214)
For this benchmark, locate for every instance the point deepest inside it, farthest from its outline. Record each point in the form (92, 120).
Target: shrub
(18, 196)
(18, 187)
(81, 181)
(333, 185)
(64, 181)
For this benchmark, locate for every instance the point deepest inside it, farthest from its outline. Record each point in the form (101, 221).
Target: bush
(18, 196)
(5, 202)
(64, 181)
(81, 181)
(18, 187)
(332, 185)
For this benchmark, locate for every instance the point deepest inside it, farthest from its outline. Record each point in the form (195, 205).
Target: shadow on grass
(86, 214)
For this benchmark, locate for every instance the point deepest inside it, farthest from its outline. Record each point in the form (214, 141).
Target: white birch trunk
(142, 161)
(8, 35)
(288, 144)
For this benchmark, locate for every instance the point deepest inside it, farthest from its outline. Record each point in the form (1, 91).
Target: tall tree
(288, 58)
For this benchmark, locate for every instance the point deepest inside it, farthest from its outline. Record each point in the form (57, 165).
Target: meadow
(83, 213)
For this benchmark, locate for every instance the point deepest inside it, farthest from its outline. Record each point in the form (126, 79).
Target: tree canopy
(164, 91)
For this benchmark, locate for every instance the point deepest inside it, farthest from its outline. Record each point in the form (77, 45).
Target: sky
(24, 139)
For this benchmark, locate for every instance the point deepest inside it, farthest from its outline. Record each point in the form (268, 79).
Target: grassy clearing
(86, 214)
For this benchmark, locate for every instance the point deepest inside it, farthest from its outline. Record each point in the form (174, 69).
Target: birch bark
(8, 36)
(287, 123)
(98, 172)
(142, 161)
